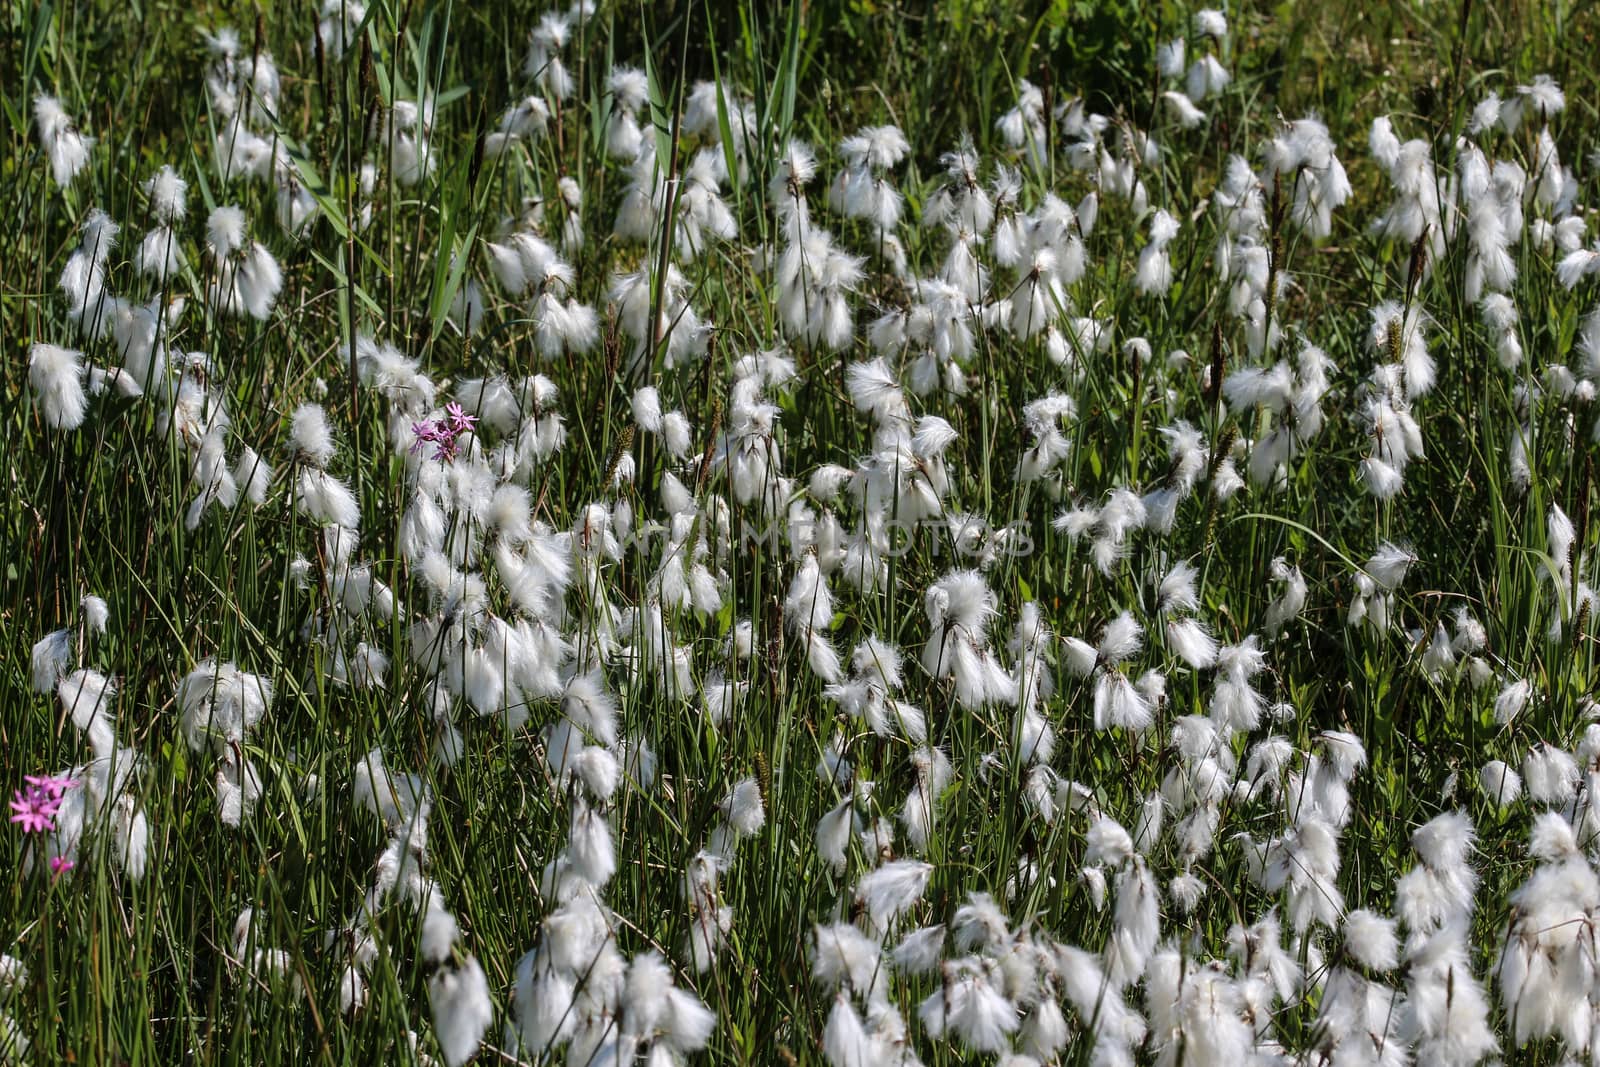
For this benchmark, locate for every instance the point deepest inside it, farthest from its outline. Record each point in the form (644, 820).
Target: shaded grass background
(138, 973)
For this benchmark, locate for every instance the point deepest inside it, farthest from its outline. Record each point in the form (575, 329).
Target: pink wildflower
(54, 784)
(442, 433)
(34, 810)
(34, 806)
(460, 421)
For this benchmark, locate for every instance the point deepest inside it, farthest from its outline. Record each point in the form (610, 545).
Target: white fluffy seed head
(312, 437)
(56, 376)
(1500, 784)
(743, 809)
(225, 231)
(1370, 938)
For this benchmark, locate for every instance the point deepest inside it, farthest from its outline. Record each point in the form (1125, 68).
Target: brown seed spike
(367, 79)
(711, 445)
(764, 777)
(1580, 510)
(1419, 262)
(1224, 446)
(623, 445)
(1218, 361)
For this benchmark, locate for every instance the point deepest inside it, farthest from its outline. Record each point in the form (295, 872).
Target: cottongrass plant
(635, 572)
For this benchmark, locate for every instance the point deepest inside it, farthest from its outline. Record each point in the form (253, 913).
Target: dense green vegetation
(390, 166)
